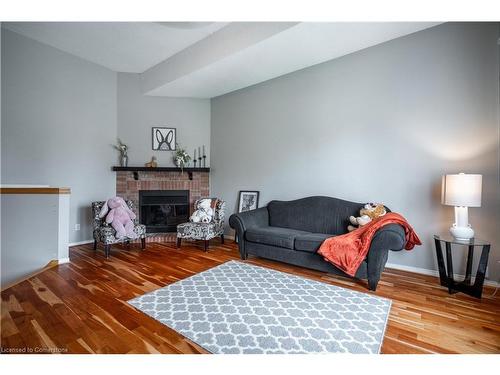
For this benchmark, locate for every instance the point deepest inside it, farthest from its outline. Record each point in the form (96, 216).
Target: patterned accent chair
(103, 232)
(204, 231)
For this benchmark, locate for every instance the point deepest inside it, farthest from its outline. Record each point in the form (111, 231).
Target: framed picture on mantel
(164, 139)
(248, 200)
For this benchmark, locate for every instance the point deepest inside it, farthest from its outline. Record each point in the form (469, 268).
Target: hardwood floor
(80, 307)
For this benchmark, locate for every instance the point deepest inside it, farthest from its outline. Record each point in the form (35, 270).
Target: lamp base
(462, 233)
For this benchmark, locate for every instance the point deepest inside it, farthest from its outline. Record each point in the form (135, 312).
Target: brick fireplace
(129, 183)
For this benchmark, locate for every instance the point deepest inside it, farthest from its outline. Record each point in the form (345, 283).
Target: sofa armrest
(389, 237)
(249, 219)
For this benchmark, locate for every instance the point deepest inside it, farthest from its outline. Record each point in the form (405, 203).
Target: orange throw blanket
(348, 251)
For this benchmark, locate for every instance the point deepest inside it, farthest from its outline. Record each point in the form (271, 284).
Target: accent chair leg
(107, 250)
(95, 245)
(222, 239)
(206, 245)
(143, 243)
(179, 241)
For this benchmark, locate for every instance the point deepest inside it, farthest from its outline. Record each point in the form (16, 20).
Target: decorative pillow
(201, 202)
(213, 203)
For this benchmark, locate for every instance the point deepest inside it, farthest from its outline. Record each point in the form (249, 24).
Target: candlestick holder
(199, 162)
(204, 160)
(194, 161)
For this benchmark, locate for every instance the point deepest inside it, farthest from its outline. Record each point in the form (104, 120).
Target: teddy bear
(120, 217)
(203, 213)
(369, 212)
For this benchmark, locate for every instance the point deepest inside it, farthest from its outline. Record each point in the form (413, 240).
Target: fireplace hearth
(162, 210)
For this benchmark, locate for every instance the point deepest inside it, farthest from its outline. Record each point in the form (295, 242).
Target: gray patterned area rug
(237, 308)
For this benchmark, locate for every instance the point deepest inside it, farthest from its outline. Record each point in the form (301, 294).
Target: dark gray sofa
(292, 231)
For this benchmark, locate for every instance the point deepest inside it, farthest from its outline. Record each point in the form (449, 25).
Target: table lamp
(462, 191)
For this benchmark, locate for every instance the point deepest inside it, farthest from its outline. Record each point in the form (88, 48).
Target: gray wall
(58, 120)
(382, 124)
(138, 113)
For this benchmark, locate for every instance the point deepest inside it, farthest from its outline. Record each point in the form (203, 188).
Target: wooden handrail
(35, 190)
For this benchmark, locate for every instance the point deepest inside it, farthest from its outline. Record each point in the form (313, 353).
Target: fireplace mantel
(160, 169)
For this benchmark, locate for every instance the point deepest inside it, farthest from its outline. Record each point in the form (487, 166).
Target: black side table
(446, 273)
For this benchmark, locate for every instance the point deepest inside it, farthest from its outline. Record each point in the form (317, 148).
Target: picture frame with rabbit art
(164, 139)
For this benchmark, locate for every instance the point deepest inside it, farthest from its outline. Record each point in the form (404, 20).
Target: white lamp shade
(462, 190)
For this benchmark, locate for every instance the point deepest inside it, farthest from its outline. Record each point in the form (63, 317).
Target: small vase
(179, 164)
(124, 161)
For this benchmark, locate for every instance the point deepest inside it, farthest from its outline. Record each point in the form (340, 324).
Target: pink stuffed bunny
(120, 217)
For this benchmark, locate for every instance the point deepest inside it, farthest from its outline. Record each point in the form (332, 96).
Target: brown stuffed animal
(369, 212)
(373, 210)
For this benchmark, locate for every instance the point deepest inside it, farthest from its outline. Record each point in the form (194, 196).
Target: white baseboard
(63, 260)
(80, 243)
(425, 271)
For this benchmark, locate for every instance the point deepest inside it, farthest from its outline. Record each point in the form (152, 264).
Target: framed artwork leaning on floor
(248, 200)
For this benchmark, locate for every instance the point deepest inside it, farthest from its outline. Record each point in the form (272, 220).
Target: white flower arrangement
(181, 157)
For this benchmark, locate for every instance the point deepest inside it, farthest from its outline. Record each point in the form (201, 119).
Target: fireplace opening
(162, 210)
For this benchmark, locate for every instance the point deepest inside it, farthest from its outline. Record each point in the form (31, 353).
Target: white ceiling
(292, 49)
(129, 47)
(208, 59)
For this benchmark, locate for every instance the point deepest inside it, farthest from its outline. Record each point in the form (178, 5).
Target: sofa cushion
(310, 242)
(313, 214)
(274, 236)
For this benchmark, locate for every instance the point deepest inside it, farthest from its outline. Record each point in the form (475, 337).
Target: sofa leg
(222, 239)
(206, 245)
(179, 241)
(107, 250)
(372, 284)
(143, 243)
(95, 245)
